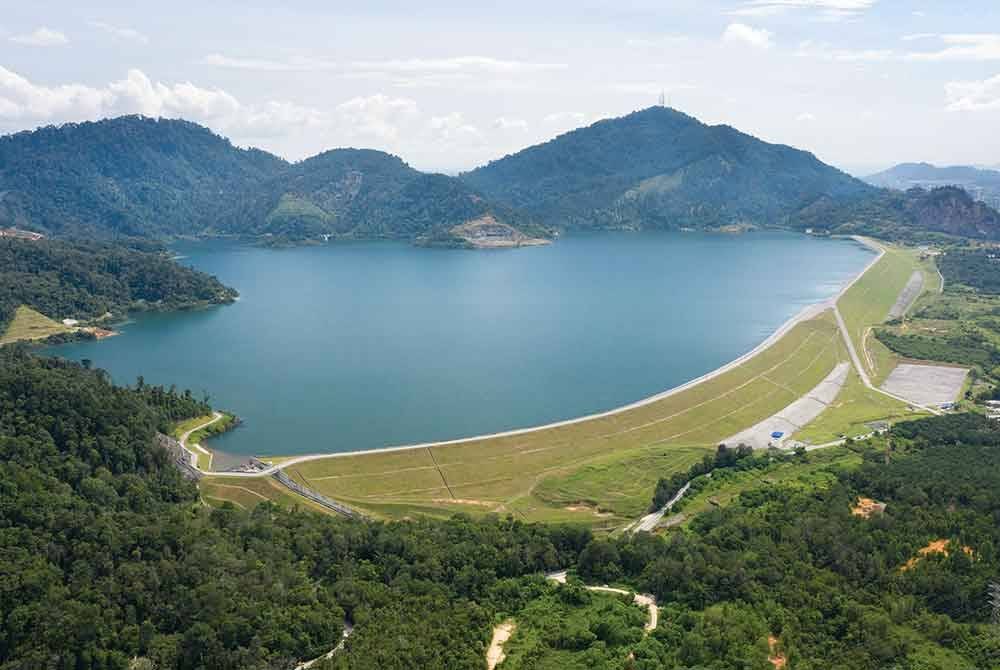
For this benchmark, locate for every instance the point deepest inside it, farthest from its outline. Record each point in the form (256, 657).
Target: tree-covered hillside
(84, 280)
(914, 215)
(357, 193)
(659, 168)
(128, 176)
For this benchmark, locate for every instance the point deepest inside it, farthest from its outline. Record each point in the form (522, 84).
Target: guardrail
(318, 498)
(180, 456)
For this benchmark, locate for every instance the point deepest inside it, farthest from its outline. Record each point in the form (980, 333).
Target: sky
(449, 85)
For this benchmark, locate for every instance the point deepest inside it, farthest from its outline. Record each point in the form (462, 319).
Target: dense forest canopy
(129, 176)
(84, 280)
(108, 560)
(975, 268)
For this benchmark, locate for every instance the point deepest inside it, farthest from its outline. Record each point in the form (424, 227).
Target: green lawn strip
(618, 482)
(868, 301)
(248, 492)
(28, 324)
(853, 408)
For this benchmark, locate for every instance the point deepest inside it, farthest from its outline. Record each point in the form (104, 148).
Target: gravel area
(932, 385)
(909, 293)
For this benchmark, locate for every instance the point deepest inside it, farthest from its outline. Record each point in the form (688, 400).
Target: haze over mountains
(655, 168)
(982, 183)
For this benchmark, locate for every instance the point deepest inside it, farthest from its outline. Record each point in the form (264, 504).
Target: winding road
(194, 448)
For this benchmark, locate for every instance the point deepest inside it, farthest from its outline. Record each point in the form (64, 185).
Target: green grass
(853, 408)
(199, 436)
(248, 492)
(610, 464)
(868, 301)
(28, 324)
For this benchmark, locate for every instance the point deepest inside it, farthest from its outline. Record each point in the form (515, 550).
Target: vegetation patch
(28, 324)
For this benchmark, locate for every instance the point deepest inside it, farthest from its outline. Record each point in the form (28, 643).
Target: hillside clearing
(28, 324)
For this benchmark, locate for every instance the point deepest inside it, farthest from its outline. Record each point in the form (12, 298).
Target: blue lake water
(362, 345)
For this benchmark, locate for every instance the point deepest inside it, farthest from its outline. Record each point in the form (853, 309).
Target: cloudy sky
(447, 85)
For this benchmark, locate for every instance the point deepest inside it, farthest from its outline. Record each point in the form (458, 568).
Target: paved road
(651, 520)
(216, 416)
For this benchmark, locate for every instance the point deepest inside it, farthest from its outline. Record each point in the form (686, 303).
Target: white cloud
(971, 47)
(21, 99)
(266, 65)
(918, 36)
(563, 118)
(833, 10)
(742, 33)
(454, 128)
(827, 52)
(805, 117)
(379, 116)
(42, 37)
(973, 96)
(456, 64)
(121, 32)
(503, 123)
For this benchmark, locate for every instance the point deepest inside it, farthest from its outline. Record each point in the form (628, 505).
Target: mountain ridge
(656, 168)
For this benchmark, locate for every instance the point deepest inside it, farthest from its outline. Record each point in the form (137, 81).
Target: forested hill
(84, 280)
(139, 177)
(914, 215)
(358, 193)
(128, 176)
(661, 168)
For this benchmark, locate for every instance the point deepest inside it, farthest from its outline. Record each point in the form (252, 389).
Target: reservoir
(364, 345)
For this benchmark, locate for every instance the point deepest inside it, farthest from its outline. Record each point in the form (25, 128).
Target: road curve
(216, 416)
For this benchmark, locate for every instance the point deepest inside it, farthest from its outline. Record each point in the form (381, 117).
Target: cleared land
(28, 324)
(930, 385)
(602, 470)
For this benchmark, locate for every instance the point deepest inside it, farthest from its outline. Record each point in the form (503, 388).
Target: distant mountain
(913, 215)
(982, 184)
(660, 168)
(128, 176)
(359, 193)
(907, 175)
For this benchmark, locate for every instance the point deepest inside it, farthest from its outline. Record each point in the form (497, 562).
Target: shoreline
(806, 313)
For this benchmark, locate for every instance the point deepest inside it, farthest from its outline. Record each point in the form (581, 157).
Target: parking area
(932, 385)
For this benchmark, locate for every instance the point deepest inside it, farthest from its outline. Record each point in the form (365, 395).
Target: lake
(362, 345)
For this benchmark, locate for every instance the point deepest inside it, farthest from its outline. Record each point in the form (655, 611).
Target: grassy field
(850, 412)
(601, 471)
(248, 492)
(28, 324)
(868, 302)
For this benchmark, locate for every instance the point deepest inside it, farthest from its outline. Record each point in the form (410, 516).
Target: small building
(70, 322)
